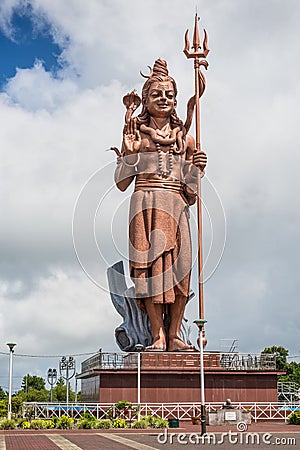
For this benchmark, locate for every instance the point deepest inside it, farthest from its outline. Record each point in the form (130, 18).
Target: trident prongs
(196, 43)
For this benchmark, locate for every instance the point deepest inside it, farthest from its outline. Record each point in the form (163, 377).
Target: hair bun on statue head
(160, 68)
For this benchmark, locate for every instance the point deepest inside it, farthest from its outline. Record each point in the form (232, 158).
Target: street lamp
(76, 387)
(200, 323)
(11, 346)
(139, 348)
(52, 378)
(68, 366)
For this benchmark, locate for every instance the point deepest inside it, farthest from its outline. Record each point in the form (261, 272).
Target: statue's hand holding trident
(200, 160)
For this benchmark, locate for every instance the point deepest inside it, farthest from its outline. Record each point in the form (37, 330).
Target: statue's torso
(149, 163)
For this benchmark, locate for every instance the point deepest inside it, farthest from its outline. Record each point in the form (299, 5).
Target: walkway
(227, 438)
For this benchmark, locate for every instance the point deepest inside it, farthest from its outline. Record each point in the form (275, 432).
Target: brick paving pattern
(129, 442)
(136, 439)
(62, 442)
(30, 442)
(94, 442)
(2, 443)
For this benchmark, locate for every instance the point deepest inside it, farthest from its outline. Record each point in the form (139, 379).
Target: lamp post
(200, 324)
(139, 348)
(52, 378)
(76, 387)
(11, 346)
(67, 366)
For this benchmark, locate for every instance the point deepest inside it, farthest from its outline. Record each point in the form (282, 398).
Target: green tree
(59, 392)
(32, 382)
(32, 390)
(3, 408)
(292, 373)
(34, 395)
(16, 404)
(281, 356)
(3, 394)
(60, 382)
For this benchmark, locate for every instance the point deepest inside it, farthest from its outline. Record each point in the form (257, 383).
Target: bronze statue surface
(159, 156)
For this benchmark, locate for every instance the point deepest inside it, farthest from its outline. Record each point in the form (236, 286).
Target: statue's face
(161, 99)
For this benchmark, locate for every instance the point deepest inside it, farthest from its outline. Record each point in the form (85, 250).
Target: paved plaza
(258, 436)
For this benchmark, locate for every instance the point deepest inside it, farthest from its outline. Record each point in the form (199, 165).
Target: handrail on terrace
(260, 411)
(165, 360)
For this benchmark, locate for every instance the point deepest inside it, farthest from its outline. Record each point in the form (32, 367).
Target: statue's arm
(127, 163)
(194, 161)
(125, 170)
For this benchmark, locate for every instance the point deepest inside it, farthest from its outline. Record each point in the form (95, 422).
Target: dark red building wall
(181, 387)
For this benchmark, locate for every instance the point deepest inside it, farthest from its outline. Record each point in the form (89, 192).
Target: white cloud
(49, 92)
(7, 8)
(55, 319)
(54, 130)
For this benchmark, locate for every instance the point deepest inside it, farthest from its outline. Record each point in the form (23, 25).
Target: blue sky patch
(28, 44)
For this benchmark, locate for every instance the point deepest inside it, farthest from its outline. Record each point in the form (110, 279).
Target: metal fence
(182, 411)
(288, 391)
(186, 360)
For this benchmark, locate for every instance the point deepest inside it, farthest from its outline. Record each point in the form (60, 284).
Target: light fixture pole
(69, 367)
(200, 324)
(139, 348)
(76, 387)
(52, 378)
(11, 346)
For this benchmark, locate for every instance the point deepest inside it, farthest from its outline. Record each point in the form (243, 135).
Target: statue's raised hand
(131, 137)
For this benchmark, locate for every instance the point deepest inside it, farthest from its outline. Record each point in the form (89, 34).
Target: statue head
(159, 73)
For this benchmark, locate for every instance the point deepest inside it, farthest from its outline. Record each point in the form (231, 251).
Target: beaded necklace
(169, 160)
(163, 139)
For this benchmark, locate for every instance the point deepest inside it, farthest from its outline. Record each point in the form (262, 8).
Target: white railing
(182, 411)
(186, 360)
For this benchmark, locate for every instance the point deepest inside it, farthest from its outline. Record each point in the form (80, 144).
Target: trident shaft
(200, 83)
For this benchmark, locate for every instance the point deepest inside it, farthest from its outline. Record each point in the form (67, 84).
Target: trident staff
(200, 84)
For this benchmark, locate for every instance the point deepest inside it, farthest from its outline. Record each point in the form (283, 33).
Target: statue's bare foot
(158, 345)
(176, 344)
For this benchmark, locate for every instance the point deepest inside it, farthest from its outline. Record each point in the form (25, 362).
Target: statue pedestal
(228, 416)
(168, 377)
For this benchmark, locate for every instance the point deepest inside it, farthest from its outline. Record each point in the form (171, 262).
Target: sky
(65, 67)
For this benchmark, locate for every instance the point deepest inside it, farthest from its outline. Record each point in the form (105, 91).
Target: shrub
(41, 424)
(123, 404)
(150, 422)
(37, 424)
(29, 413)
(119, 423)
(55, 419)
(7, 424)
(25, 425)
(104, 424)
(158, 422)
(20, 422)
(65, 423)
(87, 415)
(49, 424)
(141, 424)
(85, 424)
(294, 418)
(86, 421)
